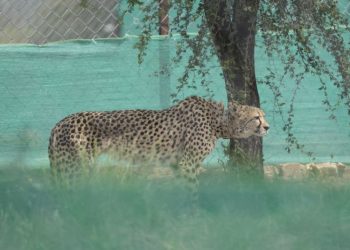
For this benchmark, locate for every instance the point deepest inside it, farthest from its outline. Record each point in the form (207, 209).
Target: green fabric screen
(39, 85)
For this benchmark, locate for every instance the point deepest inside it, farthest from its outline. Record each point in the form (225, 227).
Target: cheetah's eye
(257, 117)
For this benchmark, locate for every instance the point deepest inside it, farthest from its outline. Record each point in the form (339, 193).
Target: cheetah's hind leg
(70, 166)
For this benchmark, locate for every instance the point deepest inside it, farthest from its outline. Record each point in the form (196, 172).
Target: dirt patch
(298, 171)
(285, 171)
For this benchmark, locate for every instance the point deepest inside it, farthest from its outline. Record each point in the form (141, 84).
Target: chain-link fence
(39, 85)
(57, 79)
(42, 21)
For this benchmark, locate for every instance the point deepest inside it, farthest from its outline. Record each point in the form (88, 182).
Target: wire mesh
(39, 85)
(42, 21)
(108, 80)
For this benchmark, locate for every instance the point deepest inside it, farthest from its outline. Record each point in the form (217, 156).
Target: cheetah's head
(242, 121)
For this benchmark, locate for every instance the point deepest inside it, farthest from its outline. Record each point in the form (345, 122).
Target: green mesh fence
(39, 85)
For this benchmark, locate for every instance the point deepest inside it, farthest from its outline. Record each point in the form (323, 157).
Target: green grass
(108, 213)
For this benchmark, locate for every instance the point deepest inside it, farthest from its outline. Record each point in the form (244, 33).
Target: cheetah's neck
(227, 127)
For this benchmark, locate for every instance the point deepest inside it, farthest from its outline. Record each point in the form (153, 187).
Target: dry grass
(115, 210)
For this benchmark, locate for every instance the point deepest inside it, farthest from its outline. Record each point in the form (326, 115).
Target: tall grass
(107, 212)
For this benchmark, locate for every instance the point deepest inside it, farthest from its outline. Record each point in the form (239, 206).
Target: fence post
(164, 55)
(163, 17)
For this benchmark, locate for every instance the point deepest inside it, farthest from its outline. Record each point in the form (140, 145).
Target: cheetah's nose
(266, 127)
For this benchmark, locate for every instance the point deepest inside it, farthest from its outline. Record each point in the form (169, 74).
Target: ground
(110, 212)
(285, 171)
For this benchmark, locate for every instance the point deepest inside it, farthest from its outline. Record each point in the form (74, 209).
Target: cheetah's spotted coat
(181, 135)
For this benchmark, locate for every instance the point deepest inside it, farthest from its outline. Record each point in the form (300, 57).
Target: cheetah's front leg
(188, 167)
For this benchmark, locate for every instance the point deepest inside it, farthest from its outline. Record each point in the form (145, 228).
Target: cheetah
(182, 135)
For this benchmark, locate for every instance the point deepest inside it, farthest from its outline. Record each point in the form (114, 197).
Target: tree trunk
(233, 29)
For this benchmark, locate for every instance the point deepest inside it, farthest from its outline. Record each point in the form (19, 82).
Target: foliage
(199, 45)
(295, 32)
(83, 3)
